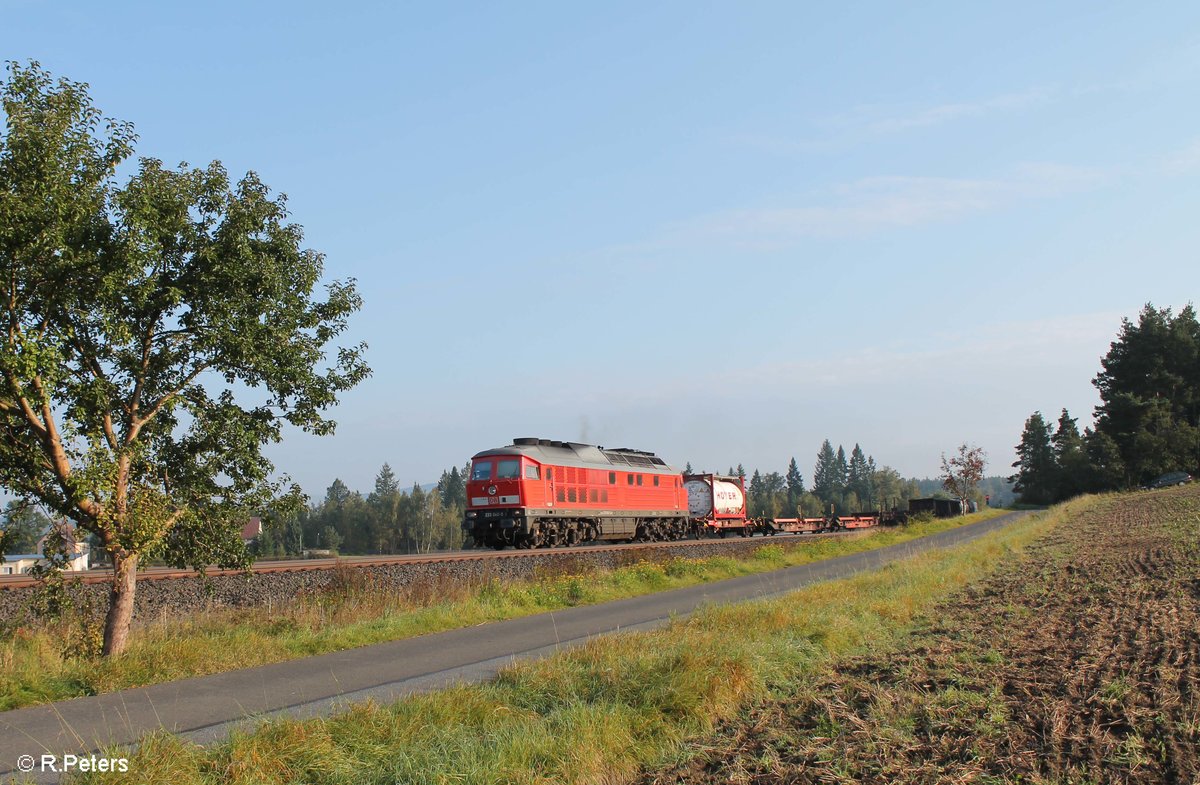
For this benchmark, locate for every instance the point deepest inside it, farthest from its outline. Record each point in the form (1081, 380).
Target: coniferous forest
(1147, 424)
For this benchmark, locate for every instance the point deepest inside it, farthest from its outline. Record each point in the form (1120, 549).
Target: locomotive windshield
(482, 470)
(509, 469)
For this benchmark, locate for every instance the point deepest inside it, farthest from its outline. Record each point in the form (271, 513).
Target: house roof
(252, 529)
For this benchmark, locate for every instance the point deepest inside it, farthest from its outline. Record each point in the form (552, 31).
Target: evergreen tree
(741, 472)
(826, 484)
(452, 490)
(858, 477)
(385, 482)
(795, 485)
(1106, 469)
(382, 514)
(1036, 467)
(843, 470)
(1150, 393)
(1073, 469)
(688, 469)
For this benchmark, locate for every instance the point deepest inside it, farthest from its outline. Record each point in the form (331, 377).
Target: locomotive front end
(496, 498)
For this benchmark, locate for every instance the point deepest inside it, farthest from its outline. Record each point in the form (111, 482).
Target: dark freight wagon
(941, 508)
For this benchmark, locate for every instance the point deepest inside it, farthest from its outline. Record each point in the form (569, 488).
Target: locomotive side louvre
(539, 492)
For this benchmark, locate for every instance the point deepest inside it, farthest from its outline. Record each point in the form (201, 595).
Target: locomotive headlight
(471, 513)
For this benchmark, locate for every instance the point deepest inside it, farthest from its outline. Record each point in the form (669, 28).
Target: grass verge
(47, 663)
(603, 711)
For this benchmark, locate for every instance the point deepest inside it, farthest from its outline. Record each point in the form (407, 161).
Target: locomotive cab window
(531, 472)
(508, 469)
(482, 470)
(639, 480)
(612, 478)
(656, 481)
(629, 478)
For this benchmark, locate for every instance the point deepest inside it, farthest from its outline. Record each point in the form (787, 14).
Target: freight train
(543, 493)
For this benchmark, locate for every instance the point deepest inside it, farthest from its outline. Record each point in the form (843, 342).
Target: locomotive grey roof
(583, 455)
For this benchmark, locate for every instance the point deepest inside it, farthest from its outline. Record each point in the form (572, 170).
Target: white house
(77, 549)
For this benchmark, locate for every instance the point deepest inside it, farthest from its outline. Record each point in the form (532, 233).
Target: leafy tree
(810, 506)
(156, 337)
(962, 473)
(888, 486)
(23, 526)
(1037, 470)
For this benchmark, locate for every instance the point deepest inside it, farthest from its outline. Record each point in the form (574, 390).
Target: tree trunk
(120, 603)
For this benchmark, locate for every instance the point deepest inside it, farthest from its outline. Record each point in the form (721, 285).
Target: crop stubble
(1078, 662)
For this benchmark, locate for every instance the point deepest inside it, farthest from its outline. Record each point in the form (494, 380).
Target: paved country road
(206, 708)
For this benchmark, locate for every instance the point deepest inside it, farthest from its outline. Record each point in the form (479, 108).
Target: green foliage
(860, 480)
(1150, 395)
(1036, 478)
(827, 479)
(1148, 422)
(386, 521)
(22, 526)
(795, 484)
(767, 495)
(159, 335)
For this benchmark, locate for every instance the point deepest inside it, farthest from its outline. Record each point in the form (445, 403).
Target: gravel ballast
(181, 596)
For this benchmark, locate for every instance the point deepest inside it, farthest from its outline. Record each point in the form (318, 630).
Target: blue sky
(719, 231)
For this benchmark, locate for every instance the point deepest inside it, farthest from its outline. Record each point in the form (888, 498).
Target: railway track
(312, 565)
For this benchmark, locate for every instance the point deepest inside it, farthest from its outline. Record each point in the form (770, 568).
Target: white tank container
(721, 497)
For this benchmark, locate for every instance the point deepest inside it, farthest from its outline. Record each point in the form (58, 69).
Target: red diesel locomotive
(538, 492)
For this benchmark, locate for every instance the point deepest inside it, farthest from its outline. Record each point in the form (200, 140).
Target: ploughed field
(1077, 662)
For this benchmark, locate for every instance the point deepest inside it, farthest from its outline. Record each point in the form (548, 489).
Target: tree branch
(136, 424)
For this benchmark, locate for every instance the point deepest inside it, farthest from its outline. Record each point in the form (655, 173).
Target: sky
(722, 232)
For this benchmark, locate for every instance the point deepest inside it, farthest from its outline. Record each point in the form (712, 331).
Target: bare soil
(1078, 662)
